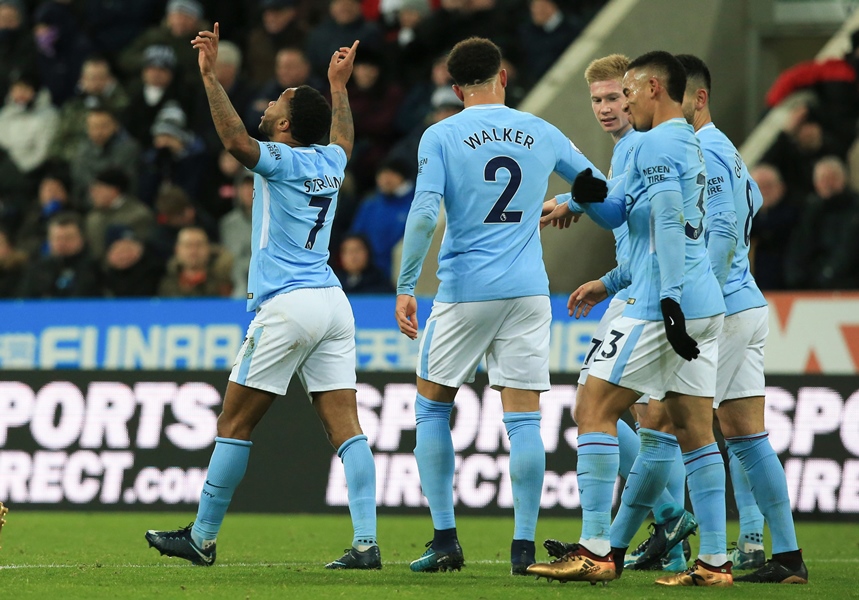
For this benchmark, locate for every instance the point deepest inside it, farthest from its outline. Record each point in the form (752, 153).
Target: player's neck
(284, 137)
(617, 135)
(702, 117)
(491, 92)
(667, 110)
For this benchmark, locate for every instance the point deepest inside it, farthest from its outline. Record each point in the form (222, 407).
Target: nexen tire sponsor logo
(103, 430)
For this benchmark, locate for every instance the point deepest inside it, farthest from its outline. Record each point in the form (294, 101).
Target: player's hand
(557, 215)
(340, 67)
(586, 297)
(675, 330)
(406, 314)
(588, 189)
(207, 44)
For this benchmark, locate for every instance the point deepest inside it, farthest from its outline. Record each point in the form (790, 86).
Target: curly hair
(474, 61)
(309, 115)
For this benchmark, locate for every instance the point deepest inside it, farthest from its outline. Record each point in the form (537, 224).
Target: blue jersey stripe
(248, 356)
(426, 349)
(623, 357)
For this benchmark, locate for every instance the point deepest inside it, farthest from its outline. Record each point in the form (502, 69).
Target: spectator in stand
(835, 85)
(197, 268)
(182, 21)
(12, 263)
(381, 217)
(67, 271)
(444, 104)
(357, 274)
(219, 187)
(17, 49)
(772, 227)
(53, 198)
(130, 268)
(544, 38)
(24, 119)
(344, 25)
(280, 28)
(15, 191)
(291, 70)
(62, 49)
(106, 145)
(800, 144)
(156, 88)
(113, 207)
(410, 14)
(97, 88)
(174, 211)
(417, 104)
(374, 103)
(177, 156)
(112, 25)
(236, 232)
(239, 90)
(824, 249)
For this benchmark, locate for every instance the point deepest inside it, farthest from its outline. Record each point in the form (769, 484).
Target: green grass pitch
(65, 556)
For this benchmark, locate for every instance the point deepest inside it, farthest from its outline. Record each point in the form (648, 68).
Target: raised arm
(339, 71)
(229, 126)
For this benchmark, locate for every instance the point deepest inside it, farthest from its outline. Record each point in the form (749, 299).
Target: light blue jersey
(491, 164)
(295, 196)
(619, 162)
(733, 199)
(662, 200)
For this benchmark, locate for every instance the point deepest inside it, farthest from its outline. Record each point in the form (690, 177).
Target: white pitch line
(298, 564)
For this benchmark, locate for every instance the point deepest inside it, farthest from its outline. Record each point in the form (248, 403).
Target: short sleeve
(273, 159)
(657, 168)
(431, 172)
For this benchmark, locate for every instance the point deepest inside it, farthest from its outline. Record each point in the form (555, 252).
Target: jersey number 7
(323, 204)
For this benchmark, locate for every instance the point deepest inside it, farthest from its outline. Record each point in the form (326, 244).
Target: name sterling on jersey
(312, 186)
(507, 135)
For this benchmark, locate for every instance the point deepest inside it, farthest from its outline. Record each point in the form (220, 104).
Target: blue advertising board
(205, 334)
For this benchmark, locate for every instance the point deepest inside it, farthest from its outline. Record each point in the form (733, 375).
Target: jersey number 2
(323, 204)
(498, 214)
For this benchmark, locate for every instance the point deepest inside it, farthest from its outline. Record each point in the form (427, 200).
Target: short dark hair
(474, 61)
(695, 69)
(309, 115)
(671, 68)
(103, 109)
(66, 218)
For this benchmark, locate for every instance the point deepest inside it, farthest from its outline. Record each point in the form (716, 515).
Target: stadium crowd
(113, 181)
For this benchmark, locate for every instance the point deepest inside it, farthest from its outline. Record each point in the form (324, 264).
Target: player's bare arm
(339, 71)
(407, 315)
(586, 297)
(229, 126)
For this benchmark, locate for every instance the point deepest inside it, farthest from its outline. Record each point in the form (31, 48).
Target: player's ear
(701, 97)
(458, 92)
(283, 125)
(502, 77)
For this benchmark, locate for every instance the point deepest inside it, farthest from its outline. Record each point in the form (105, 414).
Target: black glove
(588, 189)
(675, 330)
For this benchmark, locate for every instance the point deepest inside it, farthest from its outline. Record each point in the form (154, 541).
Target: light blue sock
(762, 466)
(628, 445)
(226, 468)
(435, 458)
(751, 518)
(597, 472)
(646, 482)
(705, 470)
(527, 466)
(672, 502)
(361, 485)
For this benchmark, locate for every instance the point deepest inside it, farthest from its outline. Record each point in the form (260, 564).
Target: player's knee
(232, 427)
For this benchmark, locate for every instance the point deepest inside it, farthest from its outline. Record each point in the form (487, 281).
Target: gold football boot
(701, 574)
(3, 511)
(578, 565)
